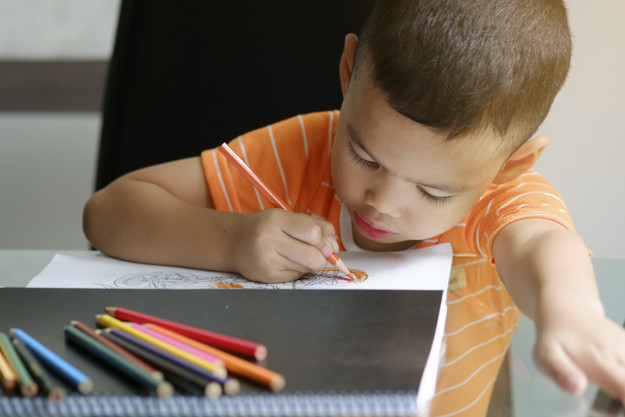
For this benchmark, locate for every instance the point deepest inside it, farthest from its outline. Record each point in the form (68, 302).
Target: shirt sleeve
(528, 197)
(279, 154)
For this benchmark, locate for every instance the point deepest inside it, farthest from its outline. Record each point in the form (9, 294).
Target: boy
(433, 144)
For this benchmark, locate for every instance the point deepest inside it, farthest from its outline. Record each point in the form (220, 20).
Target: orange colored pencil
(271, 196)
(234, 364)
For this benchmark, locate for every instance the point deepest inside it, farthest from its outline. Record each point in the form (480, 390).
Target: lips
(369, 230)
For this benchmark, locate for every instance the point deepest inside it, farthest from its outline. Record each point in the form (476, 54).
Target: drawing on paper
(186, 280)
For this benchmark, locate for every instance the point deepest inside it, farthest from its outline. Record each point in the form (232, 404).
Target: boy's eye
(434, 198)
(360, 160)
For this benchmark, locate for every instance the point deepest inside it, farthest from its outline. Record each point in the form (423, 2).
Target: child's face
(400, 181)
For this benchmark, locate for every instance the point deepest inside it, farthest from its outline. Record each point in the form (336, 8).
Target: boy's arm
(164, 214)
(547, 271)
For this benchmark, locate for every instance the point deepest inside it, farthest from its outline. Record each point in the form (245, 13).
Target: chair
(188, 75)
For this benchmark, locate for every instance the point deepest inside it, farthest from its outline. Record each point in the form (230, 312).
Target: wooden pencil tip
(164, 390)
(74, 322)
(261, 353)
(232, 387)
(277, 383)
(213, 390)
(110, 310)
(29, 390)
(56, 395)
(86, 386)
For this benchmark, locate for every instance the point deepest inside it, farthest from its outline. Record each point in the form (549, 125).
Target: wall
(53, 57)
(47, 157)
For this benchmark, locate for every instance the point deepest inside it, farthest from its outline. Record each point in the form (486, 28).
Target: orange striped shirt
(293, 158)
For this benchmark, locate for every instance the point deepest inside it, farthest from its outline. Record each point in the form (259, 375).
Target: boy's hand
(548, 273)
(275, 245)
(576, 342)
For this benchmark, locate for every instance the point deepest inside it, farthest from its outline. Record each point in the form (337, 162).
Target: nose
(386, 196)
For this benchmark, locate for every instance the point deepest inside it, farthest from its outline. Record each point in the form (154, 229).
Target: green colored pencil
(28, 387)
(55, 393)
(162, 389)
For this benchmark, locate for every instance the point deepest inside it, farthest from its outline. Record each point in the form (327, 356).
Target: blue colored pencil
(54, 363)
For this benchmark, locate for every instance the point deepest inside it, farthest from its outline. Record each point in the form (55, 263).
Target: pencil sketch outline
(187, 280)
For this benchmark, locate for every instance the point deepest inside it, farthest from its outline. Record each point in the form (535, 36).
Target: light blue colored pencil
(54, 362)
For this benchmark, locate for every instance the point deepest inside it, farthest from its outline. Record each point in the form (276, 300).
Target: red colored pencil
(229, 343)
(275, 200)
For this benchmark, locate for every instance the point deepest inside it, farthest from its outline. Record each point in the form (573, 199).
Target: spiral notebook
(347, 352)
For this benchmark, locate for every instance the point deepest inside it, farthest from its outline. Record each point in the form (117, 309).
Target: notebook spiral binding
(365, 404)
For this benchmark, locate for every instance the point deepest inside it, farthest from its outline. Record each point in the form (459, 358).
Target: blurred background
(53, 62)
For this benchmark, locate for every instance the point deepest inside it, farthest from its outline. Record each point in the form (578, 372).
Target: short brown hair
(459, 66)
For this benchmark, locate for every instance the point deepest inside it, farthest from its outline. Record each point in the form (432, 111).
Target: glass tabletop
(520, 390)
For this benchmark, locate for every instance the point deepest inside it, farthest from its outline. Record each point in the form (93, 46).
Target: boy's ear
(522, 159)
(346, 64)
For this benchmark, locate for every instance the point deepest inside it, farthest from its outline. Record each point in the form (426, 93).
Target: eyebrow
(451, 189)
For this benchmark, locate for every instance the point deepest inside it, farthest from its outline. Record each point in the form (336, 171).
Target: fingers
(600, 358)
(316, 232)
(555, 363)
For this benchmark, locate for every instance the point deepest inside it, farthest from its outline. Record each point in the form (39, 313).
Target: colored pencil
(234, 364)
(9, 379)
(28, 387)
(273, 197)
(81, 382)
(132, 358)
(179, 376)
(40, 375)
(163, 389)
(230, 385)
(105, 320)
(220, 341)
(179, 344)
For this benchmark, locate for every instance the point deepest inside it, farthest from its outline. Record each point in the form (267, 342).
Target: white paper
(420, 269)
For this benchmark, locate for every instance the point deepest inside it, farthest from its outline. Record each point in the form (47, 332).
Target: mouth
(369, 230)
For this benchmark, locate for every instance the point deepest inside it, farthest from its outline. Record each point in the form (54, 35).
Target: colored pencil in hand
(81, 382)
(163, 389)
(273, 197)
(220, 341)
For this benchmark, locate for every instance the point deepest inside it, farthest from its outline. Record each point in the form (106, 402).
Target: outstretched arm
(164, 214)
(548, 272)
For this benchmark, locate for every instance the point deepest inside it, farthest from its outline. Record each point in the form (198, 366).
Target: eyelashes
(358, 160)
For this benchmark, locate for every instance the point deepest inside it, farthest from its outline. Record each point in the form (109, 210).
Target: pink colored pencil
(275, 200)
(220, 341)
(179, 344)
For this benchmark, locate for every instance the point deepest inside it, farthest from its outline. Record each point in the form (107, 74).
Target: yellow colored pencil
(9, 379)
(106, 320)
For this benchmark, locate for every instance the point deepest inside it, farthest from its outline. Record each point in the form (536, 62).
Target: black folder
(342, 352)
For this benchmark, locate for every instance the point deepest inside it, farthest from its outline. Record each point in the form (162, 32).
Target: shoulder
(530, 196)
